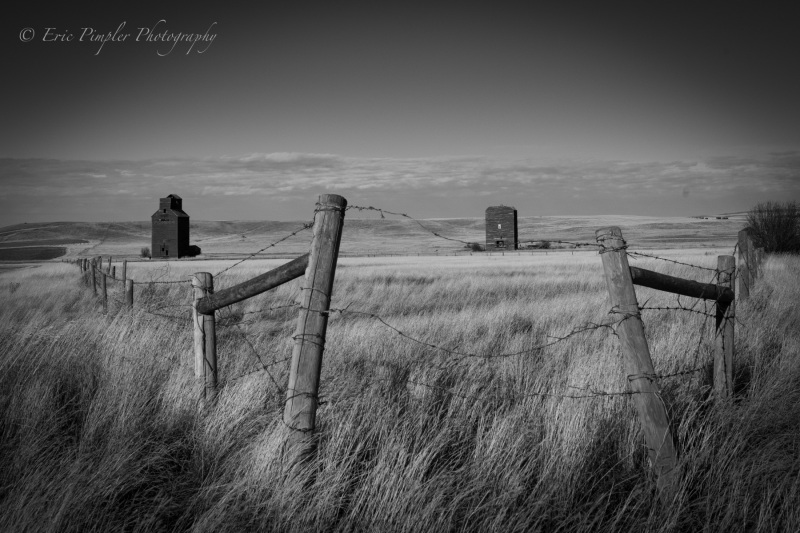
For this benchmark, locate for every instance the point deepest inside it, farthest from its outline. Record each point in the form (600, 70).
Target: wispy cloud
(284, 177)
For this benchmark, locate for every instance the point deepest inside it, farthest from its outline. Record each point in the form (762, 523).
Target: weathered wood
(108, 269)
(104, 291)
(255, 286)
(685, 287)
(205, 338)
(113, 272)
(309, 340)
(723, 338)
(199, 281)
(501, 226)
(743, 268)
(94, 278)
(124, 270)
(129, 293)
(759, 260)
(638, 365)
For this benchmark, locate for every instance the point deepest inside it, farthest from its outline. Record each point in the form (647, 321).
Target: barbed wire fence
(431, 357)
(157, 278)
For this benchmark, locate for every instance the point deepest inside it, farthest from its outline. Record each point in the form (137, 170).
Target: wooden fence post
(108, 269)
(723, 338)
(114, 272)
(205, 337)
(744, 269)
(760, 260)
(124, 270)
(638, 365)
(129, 293)
(105, 292)
(94, 278)
(309, 340)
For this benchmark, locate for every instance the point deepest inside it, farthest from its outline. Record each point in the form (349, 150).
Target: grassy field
(101, 429)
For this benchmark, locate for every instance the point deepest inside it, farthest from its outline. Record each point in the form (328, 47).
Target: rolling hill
(367, 236)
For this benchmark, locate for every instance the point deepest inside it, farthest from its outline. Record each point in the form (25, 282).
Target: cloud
(286, 176)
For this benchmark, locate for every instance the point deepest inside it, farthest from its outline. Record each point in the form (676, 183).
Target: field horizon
(392, 235)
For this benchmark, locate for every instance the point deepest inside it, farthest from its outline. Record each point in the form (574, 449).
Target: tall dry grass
(101, 428)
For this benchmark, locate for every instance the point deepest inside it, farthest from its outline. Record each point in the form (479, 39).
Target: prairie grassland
(101, 428)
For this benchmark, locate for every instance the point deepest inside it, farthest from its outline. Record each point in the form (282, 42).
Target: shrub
(545, 245)
(475, 247)
(776, 226)
(145, 252)
(194, 250)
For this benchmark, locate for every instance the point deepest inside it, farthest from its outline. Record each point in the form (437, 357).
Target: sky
(250, 112)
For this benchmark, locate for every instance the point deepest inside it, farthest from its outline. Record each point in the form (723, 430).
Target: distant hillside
(370, 236)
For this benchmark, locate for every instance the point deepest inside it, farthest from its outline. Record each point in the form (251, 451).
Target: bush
(475, 247)
(194, 250)
(776, 226)
(545, 245)
(145, 252)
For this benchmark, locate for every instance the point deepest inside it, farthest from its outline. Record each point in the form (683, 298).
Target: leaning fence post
(309, 340)
(124, 270)
(723, 337)
(642, 379)
(744, 269)
(205, 338)
(109, 264)
(129, 293)
(105, 292)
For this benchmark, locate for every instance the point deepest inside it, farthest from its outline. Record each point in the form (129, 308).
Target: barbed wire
(650, 256)
(259, 360)
(306, 226)
(254, 320)
(679, 308)
(404, 215)
(552, 241)
(172, 282)
(581, 329)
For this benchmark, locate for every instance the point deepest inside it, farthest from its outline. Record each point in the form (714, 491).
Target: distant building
(170, 228)
(501, 228)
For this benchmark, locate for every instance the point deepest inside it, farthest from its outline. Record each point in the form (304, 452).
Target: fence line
(301, 395)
